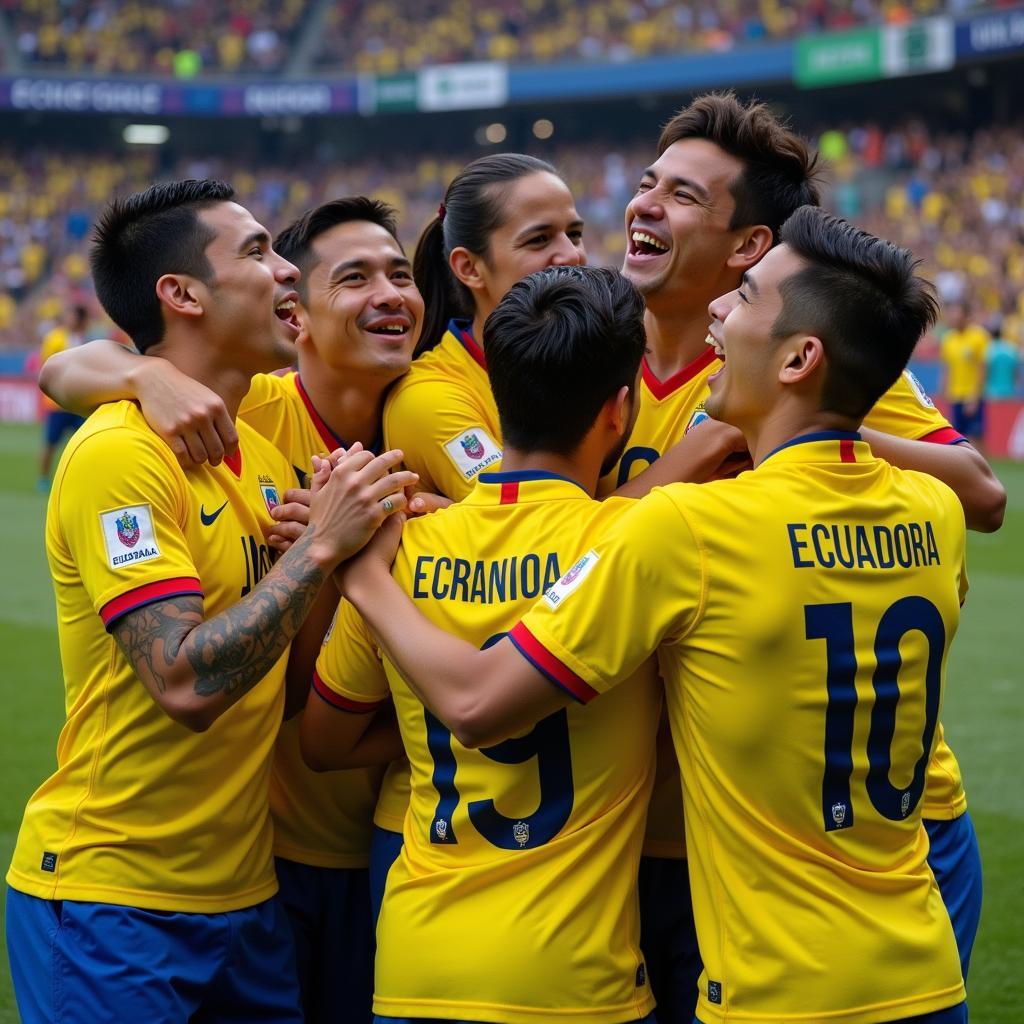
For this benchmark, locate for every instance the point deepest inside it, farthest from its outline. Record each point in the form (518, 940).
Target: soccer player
(963, 350)
(802, 613)
(706, 211)
(359, 314)
(58, 421)
(514, 899)
(142, 884)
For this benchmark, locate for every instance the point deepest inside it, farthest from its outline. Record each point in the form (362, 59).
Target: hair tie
(441, 211)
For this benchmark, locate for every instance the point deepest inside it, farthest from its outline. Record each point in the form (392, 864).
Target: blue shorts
(953, 1015)
(385, 846)
(955, 861)
(649, 1019)
(668, 938)
(92, 963)
(969, 418)
(59, 423)
(329, 911)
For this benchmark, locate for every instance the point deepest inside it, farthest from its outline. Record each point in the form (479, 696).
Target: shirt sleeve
(641, 585)
(121, 505)
(349, 674)
(906, 411)
(440, 428)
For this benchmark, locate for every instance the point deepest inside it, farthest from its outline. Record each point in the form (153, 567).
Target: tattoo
(235, 650)
(151, 637)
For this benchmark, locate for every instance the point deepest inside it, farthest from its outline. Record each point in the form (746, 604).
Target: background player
(148, 853)
(359, 314)
(727, 176)
(517, 885)
(812, 893)
(59, 422)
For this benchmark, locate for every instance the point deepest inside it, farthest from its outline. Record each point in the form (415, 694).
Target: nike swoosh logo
(209, 517)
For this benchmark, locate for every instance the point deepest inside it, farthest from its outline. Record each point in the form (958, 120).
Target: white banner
(463, 86)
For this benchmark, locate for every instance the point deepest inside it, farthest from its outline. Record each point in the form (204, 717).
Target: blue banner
(267, 98)
(984, 34)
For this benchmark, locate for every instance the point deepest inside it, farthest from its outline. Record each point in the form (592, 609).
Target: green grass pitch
(984, 710)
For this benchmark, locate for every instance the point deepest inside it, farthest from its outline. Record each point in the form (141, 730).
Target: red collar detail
(328, 436)
(234, 462)
(663, 388)
(469, 343)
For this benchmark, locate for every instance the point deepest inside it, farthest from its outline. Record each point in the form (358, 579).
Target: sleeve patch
(557, 593)
(128, 536)
(915, 385)
(473, 451)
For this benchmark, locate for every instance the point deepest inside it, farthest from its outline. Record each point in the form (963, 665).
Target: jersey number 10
(833, 623)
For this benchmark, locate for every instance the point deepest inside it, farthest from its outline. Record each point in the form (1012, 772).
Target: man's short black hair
(559, 345)
(295, 243)
(861, 296)
(143, 236)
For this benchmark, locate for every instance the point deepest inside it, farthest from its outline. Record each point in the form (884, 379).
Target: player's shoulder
(117, 426)
(268, 387)
(255, 445)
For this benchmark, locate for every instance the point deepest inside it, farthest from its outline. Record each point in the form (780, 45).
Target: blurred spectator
(963, 352)
(180, 37)
(1003, 359)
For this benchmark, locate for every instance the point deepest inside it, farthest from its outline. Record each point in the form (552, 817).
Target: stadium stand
(955, 199)
(186, 38)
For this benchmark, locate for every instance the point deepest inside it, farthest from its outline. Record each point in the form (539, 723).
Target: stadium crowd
(955, 199)
(185, 38)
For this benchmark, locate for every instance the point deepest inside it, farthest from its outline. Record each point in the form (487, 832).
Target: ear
(619, 409)
(752, 244)
(302, 315)
(803, 357)
(180, 294)
(466, 268)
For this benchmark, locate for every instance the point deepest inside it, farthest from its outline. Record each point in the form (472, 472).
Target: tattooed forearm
(236, 649)
(151, 637)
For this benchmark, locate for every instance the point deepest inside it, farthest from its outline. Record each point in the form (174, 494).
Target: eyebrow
(533, 228)
(748, 282)
(257, 236)
(347, 265)
(676, 181)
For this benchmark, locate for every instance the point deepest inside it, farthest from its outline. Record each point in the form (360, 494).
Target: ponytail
(437, 284)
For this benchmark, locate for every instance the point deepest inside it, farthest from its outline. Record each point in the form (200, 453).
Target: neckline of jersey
(524, 475)
(663, 388)
(462, 332)
(822, 435)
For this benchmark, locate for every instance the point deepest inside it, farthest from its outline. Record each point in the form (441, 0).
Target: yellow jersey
(516, 884)
(669, 410)
(141, 811)
(324, 820)
(802, 615)
(964, 357)
(442, 415)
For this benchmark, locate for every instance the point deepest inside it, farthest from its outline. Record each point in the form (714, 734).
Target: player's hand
(187, 415)
(357, 497)
(423, 503)
(291, 517)
(376, 557)
(729, 444)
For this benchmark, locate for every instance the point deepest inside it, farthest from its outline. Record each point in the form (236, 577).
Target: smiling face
(747, 386)
(249, 303)
(542, 229)
(363, 312)
(677, 224)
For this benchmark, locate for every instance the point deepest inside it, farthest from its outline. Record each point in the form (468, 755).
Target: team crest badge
(472, 446)
(839, 813)
(521, 832)
(270, 496)
(441, 829)
(128, 530)
(698, 417)
(905, 804)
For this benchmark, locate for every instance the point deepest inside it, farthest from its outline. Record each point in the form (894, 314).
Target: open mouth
(716, 345)
(646, 245)
(285, 312)
(392, 327)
